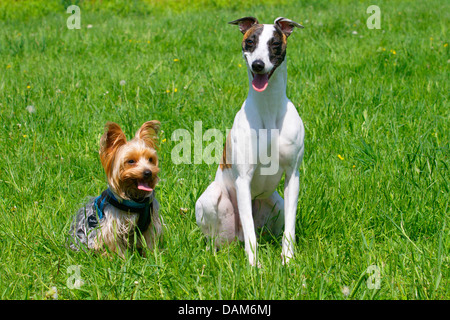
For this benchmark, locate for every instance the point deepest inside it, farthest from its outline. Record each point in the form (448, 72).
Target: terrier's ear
(245, 23)
(286, 25)
(111, 140)
(149, 133)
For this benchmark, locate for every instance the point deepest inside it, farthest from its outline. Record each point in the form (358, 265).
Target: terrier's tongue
(260, 82)
(144, 186)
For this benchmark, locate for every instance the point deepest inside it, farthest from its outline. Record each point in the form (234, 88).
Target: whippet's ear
(286, 25)
(245, 23)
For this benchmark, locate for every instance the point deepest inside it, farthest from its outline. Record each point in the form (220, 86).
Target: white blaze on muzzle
(261, 55)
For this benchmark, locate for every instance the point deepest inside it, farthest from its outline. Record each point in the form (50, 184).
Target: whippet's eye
(131, 161)
(276, 43)
(249, 42)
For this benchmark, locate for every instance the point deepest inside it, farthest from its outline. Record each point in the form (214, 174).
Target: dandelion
(445, 45)
(52, 293)
(167, 91)
(176, 60)
(175, 90)
(148, 41)
(122, 82)
(240, 65)
(28, 87)
(31, 109)
(345, 291)
(340, 157)
(24, 136)
(8, 66)
(393, 51)
(163, 140)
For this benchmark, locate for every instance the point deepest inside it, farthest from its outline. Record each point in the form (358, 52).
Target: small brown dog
(125, 214)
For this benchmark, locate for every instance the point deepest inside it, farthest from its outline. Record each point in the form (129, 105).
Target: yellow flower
(130, 40)
(8, 66)
(25, 136)
(176, 60)
(175, 90)
(164, 140)
(446, 45)
(28, 87)
(240, 65)
(148, 41)
(167, 91)
(393, 51)
(431, 38)
(340, 157)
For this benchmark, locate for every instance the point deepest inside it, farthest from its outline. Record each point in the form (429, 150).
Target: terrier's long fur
(131, 169)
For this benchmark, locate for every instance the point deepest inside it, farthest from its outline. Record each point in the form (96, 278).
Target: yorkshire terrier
(126, 214)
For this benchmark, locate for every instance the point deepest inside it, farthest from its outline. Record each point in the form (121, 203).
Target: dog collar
(144, 209)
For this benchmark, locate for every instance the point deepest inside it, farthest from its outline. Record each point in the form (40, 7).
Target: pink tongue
(260, 82)
(144, 186)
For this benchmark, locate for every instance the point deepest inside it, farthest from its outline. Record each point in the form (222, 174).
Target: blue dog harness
(144, 209)
(83, 230)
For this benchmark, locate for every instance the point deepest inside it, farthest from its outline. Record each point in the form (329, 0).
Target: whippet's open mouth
(261, 80)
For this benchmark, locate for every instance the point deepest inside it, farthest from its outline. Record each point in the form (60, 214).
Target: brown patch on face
(277, 47)
(224, 164)
(251, 38)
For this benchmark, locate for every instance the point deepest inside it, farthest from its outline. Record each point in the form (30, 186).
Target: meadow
(373, 211)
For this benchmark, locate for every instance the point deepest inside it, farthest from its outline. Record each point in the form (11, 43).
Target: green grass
(377, 98)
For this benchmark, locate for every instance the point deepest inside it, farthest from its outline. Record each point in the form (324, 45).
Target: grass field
(374, 183)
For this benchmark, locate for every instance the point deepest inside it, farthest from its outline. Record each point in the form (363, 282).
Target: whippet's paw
(286, 257)
(256, 264)
(253, 261)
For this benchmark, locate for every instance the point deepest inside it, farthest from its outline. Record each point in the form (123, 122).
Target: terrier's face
(264, 47)
(131, 166)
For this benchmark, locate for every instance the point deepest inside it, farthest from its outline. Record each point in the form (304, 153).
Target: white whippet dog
(243, 196)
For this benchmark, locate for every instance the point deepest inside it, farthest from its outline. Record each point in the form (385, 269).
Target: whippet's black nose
(147, 174)
(258, 65)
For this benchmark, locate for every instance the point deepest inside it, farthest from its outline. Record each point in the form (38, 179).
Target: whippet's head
(264, 47)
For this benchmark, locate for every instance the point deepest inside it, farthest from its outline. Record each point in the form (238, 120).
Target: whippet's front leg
(244, 201)
(291, 189)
